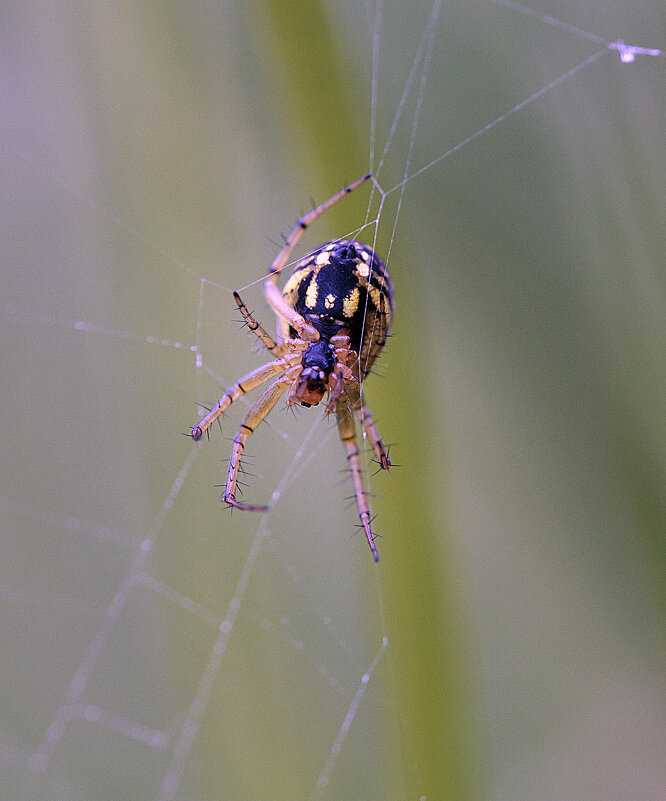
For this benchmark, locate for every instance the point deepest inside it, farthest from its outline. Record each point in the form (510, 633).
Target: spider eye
(326, 318)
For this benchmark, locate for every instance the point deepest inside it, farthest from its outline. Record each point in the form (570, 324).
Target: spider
(333, 317)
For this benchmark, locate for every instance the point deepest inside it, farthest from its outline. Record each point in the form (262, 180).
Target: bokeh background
(152, 157)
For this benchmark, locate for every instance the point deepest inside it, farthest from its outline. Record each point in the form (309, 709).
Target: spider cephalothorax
(333, 317)
(318, 362)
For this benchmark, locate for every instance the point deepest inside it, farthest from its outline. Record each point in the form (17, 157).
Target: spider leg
(347, 429)
(364, 415)
(261, 408)
(256, 328)
(287, 345)
(273, 295)
(374, 343)
(246, 383)
(342, 374)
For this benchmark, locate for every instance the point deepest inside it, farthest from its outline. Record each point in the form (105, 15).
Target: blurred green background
(152, 157)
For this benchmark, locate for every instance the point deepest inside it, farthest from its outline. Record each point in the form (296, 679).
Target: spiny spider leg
(246, 383)
(261, 408)
(256, 328)
(365, 416)
(347, 429)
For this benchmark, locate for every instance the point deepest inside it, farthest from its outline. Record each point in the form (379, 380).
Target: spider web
(155, 646)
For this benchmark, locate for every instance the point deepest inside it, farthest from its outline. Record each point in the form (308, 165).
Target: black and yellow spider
(333, 317)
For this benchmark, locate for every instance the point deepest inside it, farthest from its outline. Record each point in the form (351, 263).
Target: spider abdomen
(344, 285)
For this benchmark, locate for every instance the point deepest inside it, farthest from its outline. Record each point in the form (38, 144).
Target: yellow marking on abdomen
(311, 294)
(350, 303)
